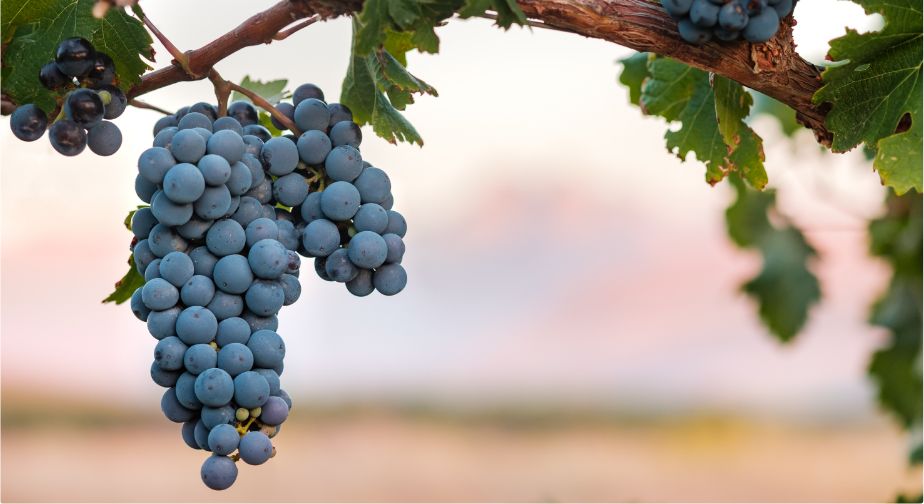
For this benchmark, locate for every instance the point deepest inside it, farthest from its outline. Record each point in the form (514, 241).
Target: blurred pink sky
(556, 252)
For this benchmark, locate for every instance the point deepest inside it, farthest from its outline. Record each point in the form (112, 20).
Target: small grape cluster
(698, 21)
(89, 77)
(231, 210)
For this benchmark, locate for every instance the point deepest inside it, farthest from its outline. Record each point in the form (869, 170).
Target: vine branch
(773, 68)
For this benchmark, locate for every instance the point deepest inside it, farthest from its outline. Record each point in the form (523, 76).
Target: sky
(556, 252)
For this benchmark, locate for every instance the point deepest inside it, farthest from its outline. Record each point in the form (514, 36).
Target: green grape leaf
(634, 72)
(125, 287)
(878, 84)
(785, 288)
(36, 28)
(508, 12)
(266, 121)
(680, 93)
(272, 91)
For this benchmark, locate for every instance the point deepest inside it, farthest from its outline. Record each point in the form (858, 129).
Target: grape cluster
(89, 78)
(232, 208)
(698, 21)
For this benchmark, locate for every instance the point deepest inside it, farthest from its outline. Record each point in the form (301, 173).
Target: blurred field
(97, 454)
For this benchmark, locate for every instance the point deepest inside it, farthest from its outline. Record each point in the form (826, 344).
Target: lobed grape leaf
(877, 89)
(785, 289)
(710, 115)
(272, 91)
(634, 72)
(127, 285)
(33, 29)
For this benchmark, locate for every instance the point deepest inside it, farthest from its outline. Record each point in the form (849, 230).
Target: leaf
(508, 12)
(877, 84)
(32, 45)
(272, 91)
(678, 92)
(266, 121)
(634, 73)
(125, 287)
(785, 288)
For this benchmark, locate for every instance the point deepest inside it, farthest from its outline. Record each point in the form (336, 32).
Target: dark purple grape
(339, 112)
(258, 131)
(67, 137)
(84, 107)
(75, 56)
(52, 78)
(287, 110)
(117, 101)
(243, 112)
(306, 91)
(28, 122)
(207, 109)
(102, 73)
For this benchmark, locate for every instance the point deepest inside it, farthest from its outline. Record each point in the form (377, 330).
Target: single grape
(188, 146)
(142, 255)
(84, 107)
(176, 268)
(279, 156)
(340, 201)
(197, 291)
(104, 139)
(252, 144)
(262, 192)
(184, 183)
(227, 144)
(361, 285)
(195, 120)
(258, 131)
(373, 184)
(188, 432)
(185, 391)
(117, 101)
(218, 472)
(226, 305)
(164, 240)
(339, 112)
(102, 72)
(261, 229)
(196, 324)
(264, 297)
(235, 358)
(162, 324)
(275, 411)
(287, 236)
(165, 122)
(312, 114)
(367, 250)
(195, 229)
(346, 133)
(75, 56)
(214, 202)
(223, 439)
(228, 123)
(251, 390)
(170, 213)
(733, 17)
(396, 224)
(267, 347)
(285, 397)
(244, 112)
(152, 271)
(232, 274)
(67, 137)
(390, 279)
(159, 294)
(338, 266)
(240, 181)
(761, 27)
(214, 386)
(344, 163)
(783, 8)
(247, 211)
(291, 289)
(704, 13)
(221, 415)
(226, 237)
(314, 146)
(199, 357)
(272, 377)
(28, 122)
(173, 410)
(288, 110)
(321, 237)
(52, 78)
(306, 91)
(206, 109)
(311, 208)
(163, 377)
(154, 163)
(203, 261)
(169, 352)
(395, 248)
(371, 217)
(144, 189)
(138, 308)
(232, 330)
(258, 323)
(290, 190)
(257, 174)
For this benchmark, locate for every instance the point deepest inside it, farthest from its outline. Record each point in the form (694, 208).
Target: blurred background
(572, 329)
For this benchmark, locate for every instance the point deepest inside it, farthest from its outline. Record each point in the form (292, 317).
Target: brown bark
(773, 68)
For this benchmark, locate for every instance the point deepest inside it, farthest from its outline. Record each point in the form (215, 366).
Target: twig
(144, 105)
(223, 89)
(178, 55)
(284, 34)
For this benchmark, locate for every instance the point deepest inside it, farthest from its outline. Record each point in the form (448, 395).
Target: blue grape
(227, 144)
(291, 289)
(343, 163)
(227, 123)
(84, 107)
(52, 78)
(288, 110)
(306, 91)
(203, 261)
(761, 27)
(215, 169)
(163, 377)
(163, 240)
(165, 122)
(373, 185)
(262, 192)
(267, 347)
(232, 330)
(692, 33)
(338, 266)
(677, 7)
(390, 279)
(339, 112)
(258, 131)
(290, 190)
(218, 472)
(367, 250)
(195, 228)
(361, 285)
(144, 189)
(255, 448)
(195, 120)
(185, 391)
(75, 56)
(340, 201)
(28, 122)
(188, 432)
(395, 248)
(143, 221)
(264, 297)
(311, 114)
(206, 109)
(272, 378)
(201, 435)
(162, 324)
(142, 255)
(168, 353)
(247, 211)
(704, 13)
(197, 291)
(396, 224)
(221, 415)
(214, 387)
(235, 358)
(252, 145)
(240, 180)
(287, 235)
(258, 323)
(214, 203)
(225, 238)
(200, 357)
(279, 156)
(268, 259)
(176, 268)
(232, 274)
(173, 410)
(257, 175)
(196, 324)
(152, 271)
(250, 389)
(170, 213)
(346, 133)
(371, 217)
(138, 308)
(243, 112)
(223, 439)
(311, 208)
(187, 146)
(733, 17)
(67, 137)
(154, 163)
(314, 146)
(285, 397)
(275, 411)
(104, 139)
(261, 229)
(321, 237)
(159, 294)
(117, 101)
(101, 73)
(783, 8)
(226, 305)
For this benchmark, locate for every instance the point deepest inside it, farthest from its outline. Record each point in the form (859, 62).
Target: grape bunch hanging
(91, 101)
(232, 210)
(698, 21)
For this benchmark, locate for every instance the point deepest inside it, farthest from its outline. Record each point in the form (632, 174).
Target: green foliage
(710, 111)
(127, 285)
(896, 368)
(33, 28)
(879, 84)
(272, 91)
(785, 289)
(377, 85)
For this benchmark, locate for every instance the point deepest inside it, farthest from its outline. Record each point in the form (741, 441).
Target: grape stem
(223, 89)
(284, 34)
(181, 58)
(144, 105)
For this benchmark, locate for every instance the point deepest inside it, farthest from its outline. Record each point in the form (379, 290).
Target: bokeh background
(572, 329)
